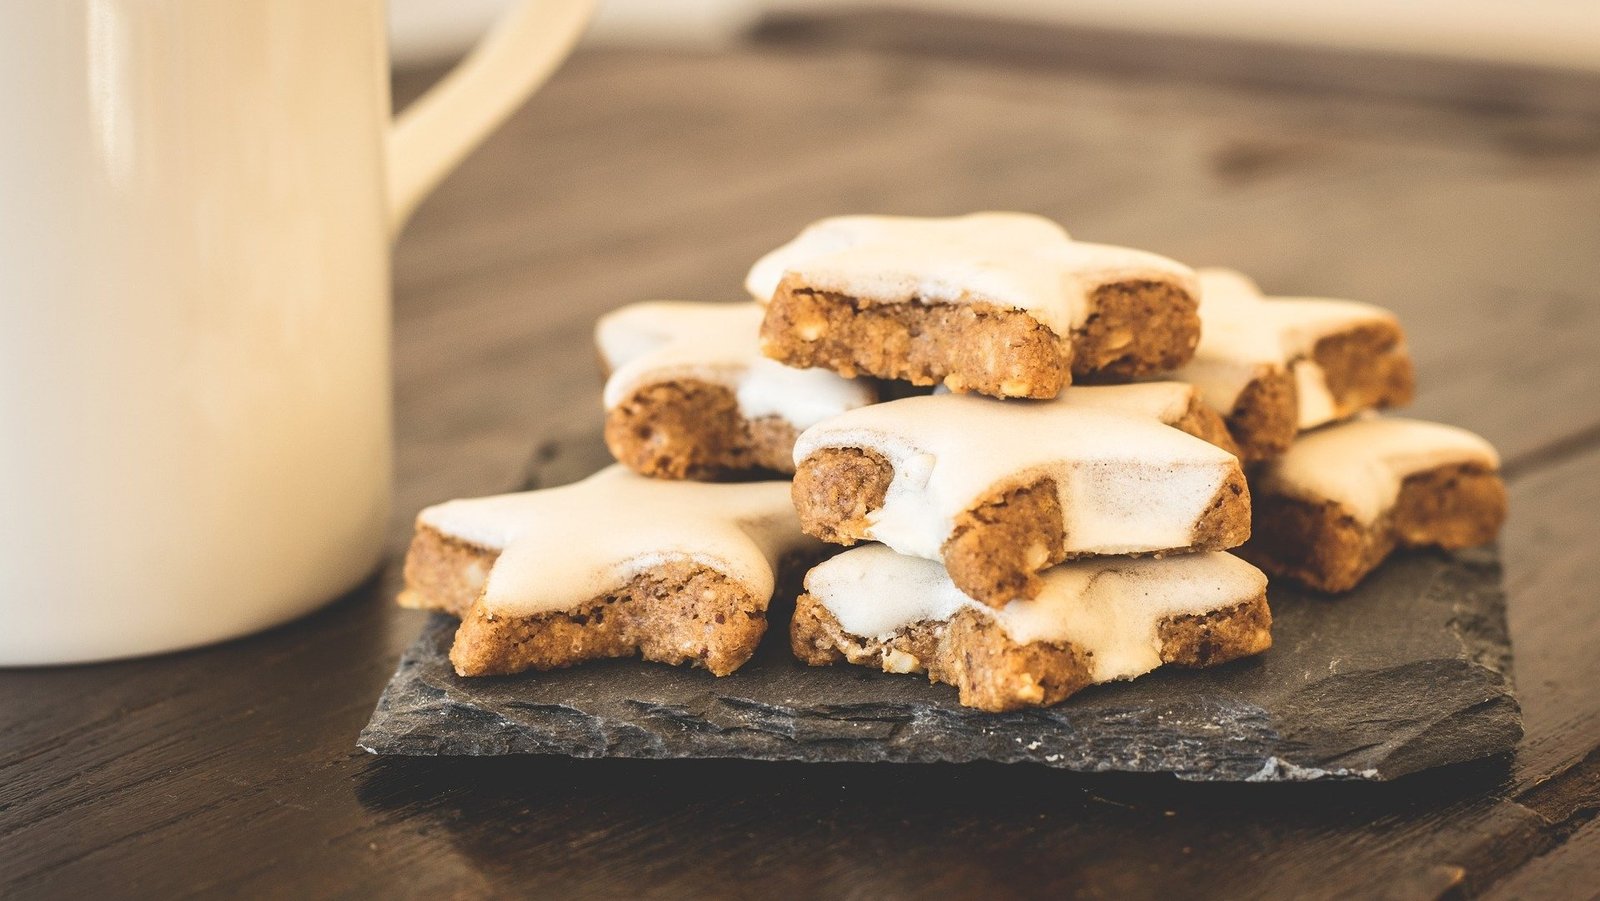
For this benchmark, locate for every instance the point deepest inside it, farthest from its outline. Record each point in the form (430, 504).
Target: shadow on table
(610, 826)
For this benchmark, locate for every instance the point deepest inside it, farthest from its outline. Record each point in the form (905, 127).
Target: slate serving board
(1409, 671)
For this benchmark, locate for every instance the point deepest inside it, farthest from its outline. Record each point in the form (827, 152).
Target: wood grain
(637, 174)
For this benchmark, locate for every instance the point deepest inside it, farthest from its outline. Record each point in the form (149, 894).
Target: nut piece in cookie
(1004, 304)
(689, 394)
(1095, 620)
(1000, 490)
(1345, 496)
(1276, 365)
(614, 565)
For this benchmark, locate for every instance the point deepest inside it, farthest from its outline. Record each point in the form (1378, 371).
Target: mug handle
(436, 132)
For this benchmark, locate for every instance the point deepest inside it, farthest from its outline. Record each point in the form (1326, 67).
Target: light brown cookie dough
(1274, 366)
(1096, 621)
(1004, 304)
(691, 429)
(1000, 490)
(615, 565)
(689, 394)
(1336, 505)
(679, 613)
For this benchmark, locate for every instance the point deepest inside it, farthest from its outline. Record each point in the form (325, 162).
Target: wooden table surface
(1466, 199)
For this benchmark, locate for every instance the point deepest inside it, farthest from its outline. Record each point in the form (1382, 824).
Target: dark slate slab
(1410, 671)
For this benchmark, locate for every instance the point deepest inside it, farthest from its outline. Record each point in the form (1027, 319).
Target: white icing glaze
(1109, 606)
(1166, 402)
(1361, 464)
(1315, 402)
(659, 341)
(1245, 335)
(560, 547)
(1013, 260)
(1127, 484)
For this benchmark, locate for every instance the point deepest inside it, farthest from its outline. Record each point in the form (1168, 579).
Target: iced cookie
(1093, 621)
(614, 565)
(1276, 365)
(1343, 497)
(689, 394)
(999, 490)
(1004, 304)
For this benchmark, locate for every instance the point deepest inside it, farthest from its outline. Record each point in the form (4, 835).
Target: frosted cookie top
(1012, 260)
(1111, 607)
(1127, 483)
(1166, 402)
(561, 547)
(1245, 335)
(1361, 464)
(666, 340)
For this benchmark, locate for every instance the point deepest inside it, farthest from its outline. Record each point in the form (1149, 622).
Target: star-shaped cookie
(691, 396)
(1005, 304)
(617, 564)
(1273, 366)
(1338, 502)
(1001, 490)
(1094, 620)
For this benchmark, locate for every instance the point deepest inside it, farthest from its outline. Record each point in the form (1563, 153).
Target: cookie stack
(1057, 514)
(1336, 489)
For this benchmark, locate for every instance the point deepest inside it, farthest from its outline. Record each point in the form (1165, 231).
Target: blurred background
(1438, 157)
(1435, 156)
(1563, 33)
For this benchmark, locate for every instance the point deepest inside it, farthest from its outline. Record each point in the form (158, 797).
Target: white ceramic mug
(196, 203)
